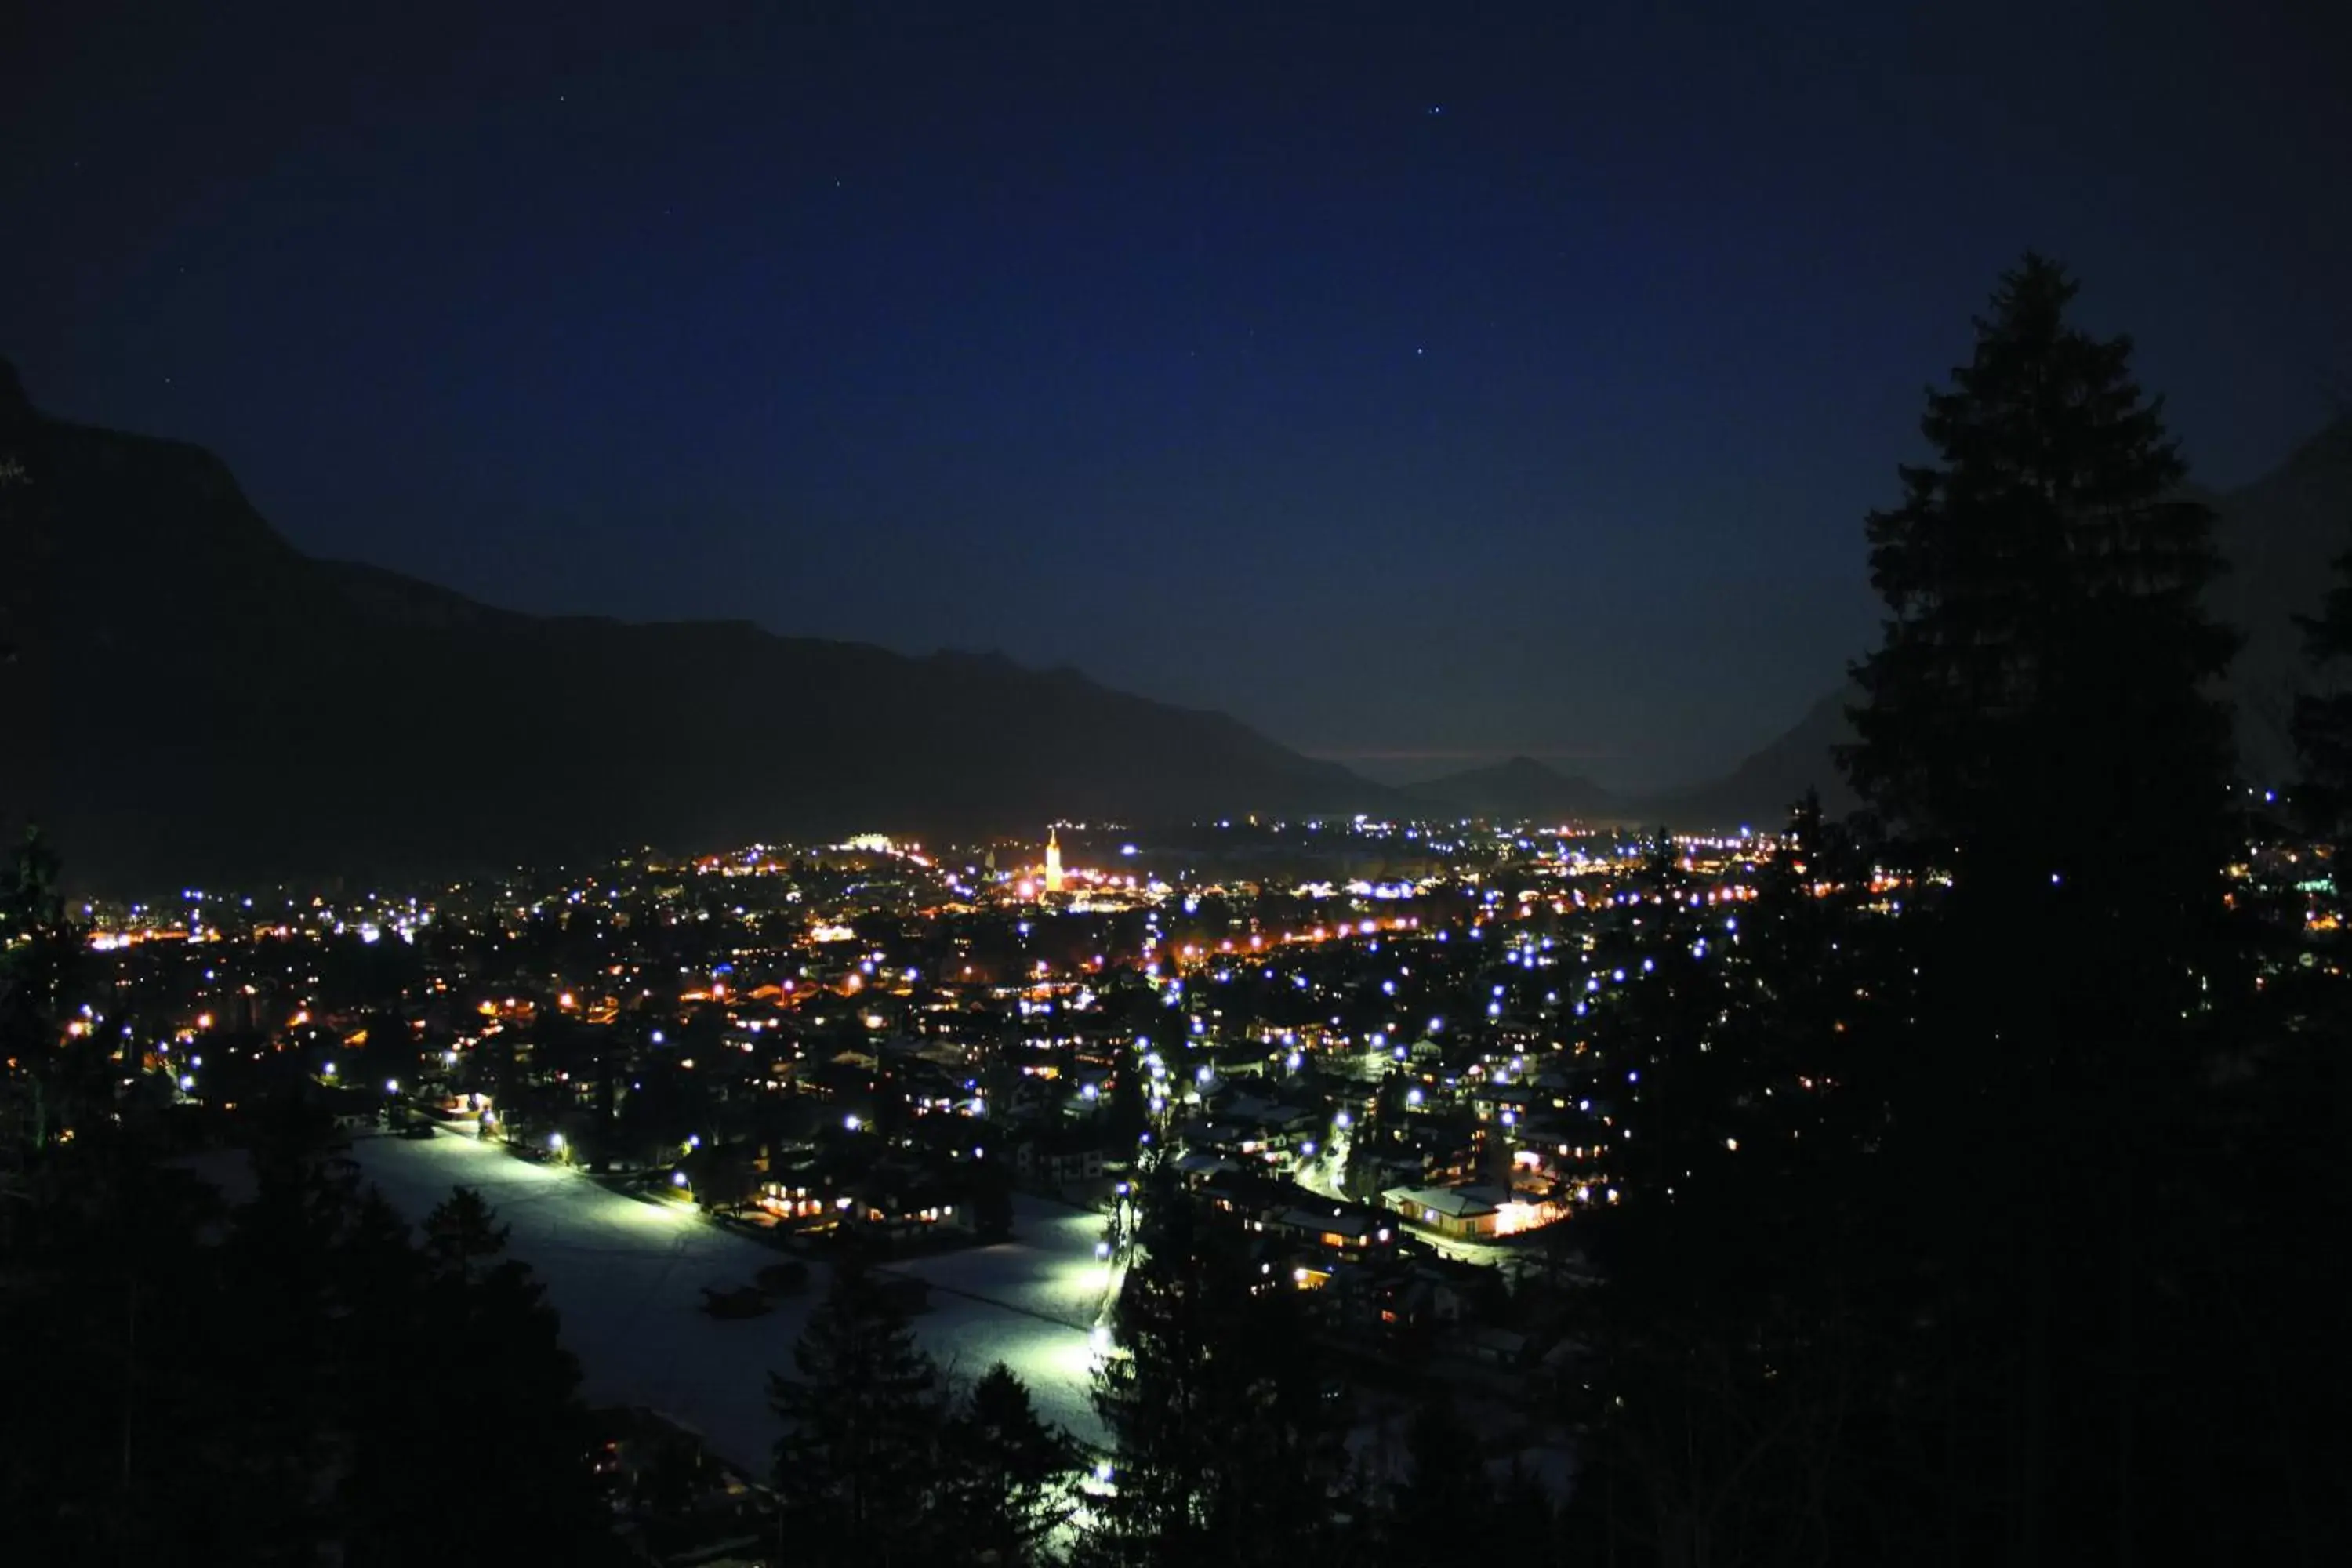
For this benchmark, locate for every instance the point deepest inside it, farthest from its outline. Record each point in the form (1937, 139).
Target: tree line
(1222, 1445)
(294, 1378)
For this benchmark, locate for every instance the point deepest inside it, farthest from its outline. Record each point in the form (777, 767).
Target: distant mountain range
(1522, 788)
(2279, 536)
(1767, 781)
(1756, 793)
(191, 697)
(184, 696)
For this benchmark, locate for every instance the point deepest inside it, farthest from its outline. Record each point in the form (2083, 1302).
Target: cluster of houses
(1374, 1286)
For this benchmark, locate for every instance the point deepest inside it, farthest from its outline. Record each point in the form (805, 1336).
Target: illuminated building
(1052, 861)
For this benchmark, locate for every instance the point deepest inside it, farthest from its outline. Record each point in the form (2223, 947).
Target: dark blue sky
(1419, 382)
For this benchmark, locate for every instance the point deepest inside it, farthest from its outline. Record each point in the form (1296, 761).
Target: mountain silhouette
(2281, 535)
(192, 698)
(1518, 789)
(1760, 791)
(185, 697)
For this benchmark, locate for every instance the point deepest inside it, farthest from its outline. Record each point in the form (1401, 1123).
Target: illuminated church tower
(1052, 861)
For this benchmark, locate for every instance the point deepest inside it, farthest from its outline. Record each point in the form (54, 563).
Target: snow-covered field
(627, 1277)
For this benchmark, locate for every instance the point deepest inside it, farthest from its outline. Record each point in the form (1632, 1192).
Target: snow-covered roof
(1452, 1202)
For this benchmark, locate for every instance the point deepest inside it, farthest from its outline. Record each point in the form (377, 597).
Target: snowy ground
(627, 1277)
(1048, 1269)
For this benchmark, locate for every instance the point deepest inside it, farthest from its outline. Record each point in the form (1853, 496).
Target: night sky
(1422, 384)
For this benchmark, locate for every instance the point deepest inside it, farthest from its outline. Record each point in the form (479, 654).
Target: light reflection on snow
(627, 1275)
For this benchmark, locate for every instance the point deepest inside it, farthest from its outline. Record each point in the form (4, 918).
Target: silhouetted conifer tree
(2039, 703)
(2038, 722)
(470, 1344)
(460, 1230)
(1727, 1334)
(858, 1468)
(1225, 1452)
(1007, 1474)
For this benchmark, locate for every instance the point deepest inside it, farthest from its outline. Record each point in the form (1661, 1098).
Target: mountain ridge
(203, 700)
(1518, 788)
